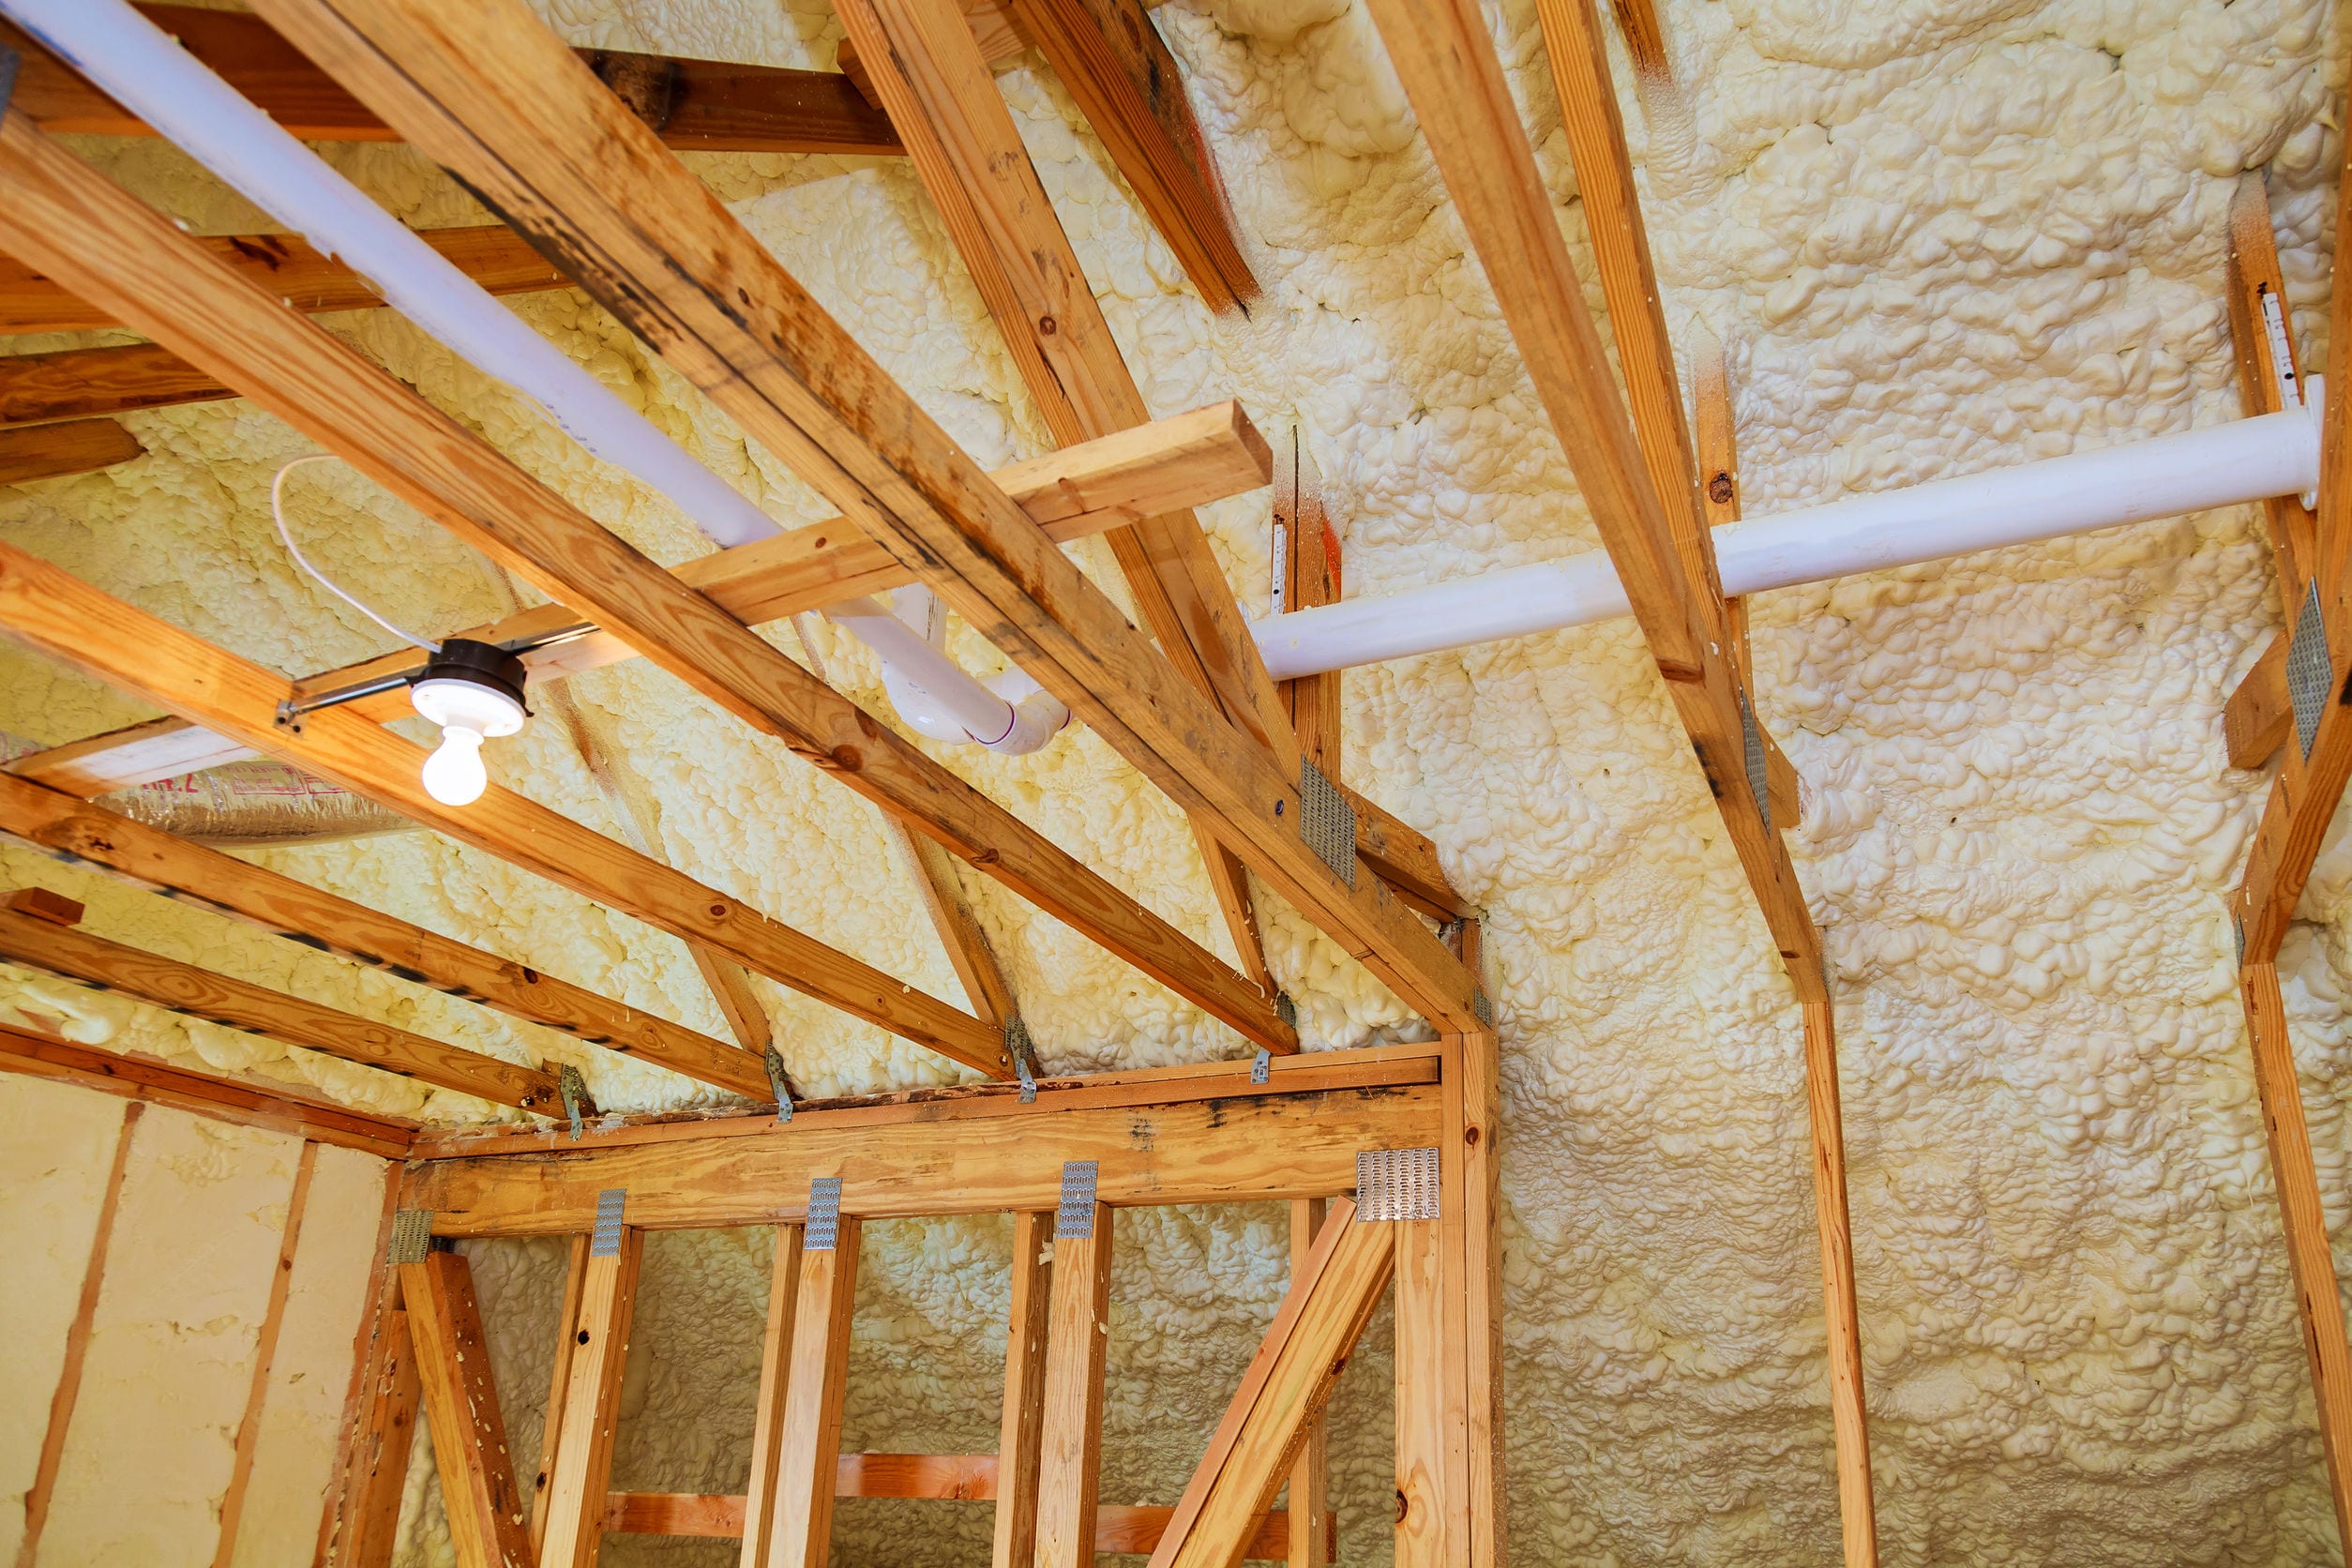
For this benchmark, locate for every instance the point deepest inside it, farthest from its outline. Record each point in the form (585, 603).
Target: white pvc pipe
(144, 69)
(2225, 465)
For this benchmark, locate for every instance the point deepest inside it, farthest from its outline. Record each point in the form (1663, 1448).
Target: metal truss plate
(2310, 670)
(1751, 752)
(1481, 1006)
(1396, 1184)
(605, 1239)
(1327, 822)
(411, 1236)
(823, 1231)
(1076, 1217)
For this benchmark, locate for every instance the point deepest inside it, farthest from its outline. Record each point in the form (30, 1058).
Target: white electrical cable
(278, 515)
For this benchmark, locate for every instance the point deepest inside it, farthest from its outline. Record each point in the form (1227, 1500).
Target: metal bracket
(1023, 1051)
(411, 1236)
(823, 1231)
(1481, 1006)
(2310, 668)
(1261, 1070)
(576, 1102)
(2237, 930)
(1396, 1184)
(1751, 752)
(1076, 1217)
(1327, 822)
(774, 1063)
(605, 1239)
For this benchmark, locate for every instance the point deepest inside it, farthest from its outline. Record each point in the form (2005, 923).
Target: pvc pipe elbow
(1038, 715)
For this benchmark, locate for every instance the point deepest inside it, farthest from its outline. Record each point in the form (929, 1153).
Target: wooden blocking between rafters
(61, 451)
(488, 1517)
(1020, 1433)
(167, 983)
(758, 1524)
(1078, 1340)
(590, 1408)
(808, 1444)
(80, 384)
(1289, 1383)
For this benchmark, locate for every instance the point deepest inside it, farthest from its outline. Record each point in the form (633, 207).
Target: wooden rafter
(67, 220)
(78, 832)
(2308, 550)
(276, 1107)
(696, 105)
(71, 955)
(78, 385)
(60, 451)
(58, 615)
(494, 255)
(487, 90)
(1112, 58)
(486, 1514)
(931, 75)
(1201, 455)
(1287, 1385)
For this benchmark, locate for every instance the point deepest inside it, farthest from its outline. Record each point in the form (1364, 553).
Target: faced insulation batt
(1933, 236)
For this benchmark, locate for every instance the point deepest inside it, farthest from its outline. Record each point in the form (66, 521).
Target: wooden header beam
(484, 89)
(232, 1003)
(967, 1156)
(1201, 455)
(693, 105)
(81, 833)
(64, 218)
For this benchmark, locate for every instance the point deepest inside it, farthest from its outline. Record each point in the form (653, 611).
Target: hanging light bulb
(473, 692)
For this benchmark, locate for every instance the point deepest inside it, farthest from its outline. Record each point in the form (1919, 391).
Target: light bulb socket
(482, 663)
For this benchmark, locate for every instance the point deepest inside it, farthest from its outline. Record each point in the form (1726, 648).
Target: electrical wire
(278, 515)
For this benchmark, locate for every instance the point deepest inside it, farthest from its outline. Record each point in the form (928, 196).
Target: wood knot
(646, 82)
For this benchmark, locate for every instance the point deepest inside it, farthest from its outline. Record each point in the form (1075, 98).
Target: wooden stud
(1432, 1454)
(362, 1511)
(489, 1520)
(68, 1390)
(756, 1523)
(1289, 1383)
(232, 1003)
(1112, 60)
(1072, 493)
(591, 1408)
(148, 858)
(264, 1353)
(994, 28)
(486, 88)
(59, 451)
(706, 105)
(1021, 1432)
(315, 383)
(1471, 1256)
(1310, 558)
(809, 1434)
(559, 1386)
(1645, 39)
(1070, 1446)
(1310, 1520)
(1849, 1415)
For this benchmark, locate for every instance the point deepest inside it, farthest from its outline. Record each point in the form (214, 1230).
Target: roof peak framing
(490, 93)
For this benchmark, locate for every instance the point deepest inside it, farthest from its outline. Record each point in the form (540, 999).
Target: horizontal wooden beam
(89, 383)
(494, 255)
(696, 105)
(82, 228)
(972, 1158)
(486, 89)
(1080, 490)
(232, 1003)
(60, 451)
(83, 833)
(133, 1077)
(949, 1476)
